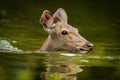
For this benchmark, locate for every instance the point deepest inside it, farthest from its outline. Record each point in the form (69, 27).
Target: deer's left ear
(47, 20)
(60, 15)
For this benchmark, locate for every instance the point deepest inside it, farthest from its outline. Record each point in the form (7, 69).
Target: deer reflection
(60, 69)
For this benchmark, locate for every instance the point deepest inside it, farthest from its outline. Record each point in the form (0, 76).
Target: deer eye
(64, 32)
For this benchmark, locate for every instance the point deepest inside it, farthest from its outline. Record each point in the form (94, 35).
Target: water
(21, 35)
(58, 66)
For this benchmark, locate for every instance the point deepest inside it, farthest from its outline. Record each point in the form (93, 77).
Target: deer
(62, 36)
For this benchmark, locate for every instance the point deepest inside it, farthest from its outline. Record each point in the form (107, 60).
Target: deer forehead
(67, 27)
(70, 29)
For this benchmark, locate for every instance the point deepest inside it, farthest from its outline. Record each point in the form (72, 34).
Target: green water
(21, 35)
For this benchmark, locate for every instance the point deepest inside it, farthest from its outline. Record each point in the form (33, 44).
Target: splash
(5, 46)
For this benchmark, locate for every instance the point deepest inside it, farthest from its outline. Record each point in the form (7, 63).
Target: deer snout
(90, 46)
(86, 48)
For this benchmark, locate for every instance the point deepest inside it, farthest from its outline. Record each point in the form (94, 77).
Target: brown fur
(70, 41)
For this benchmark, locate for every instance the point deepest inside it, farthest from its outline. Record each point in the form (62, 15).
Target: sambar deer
(62, 36)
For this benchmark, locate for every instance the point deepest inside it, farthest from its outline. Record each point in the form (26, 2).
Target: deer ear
(47, 20)
(60, 15)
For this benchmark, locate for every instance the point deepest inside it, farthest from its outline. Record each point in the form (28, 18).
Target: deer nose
(90, 46)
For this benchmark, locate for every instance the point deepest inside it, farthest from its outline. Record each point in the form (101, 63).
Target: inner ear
(47, 21)
(46, 16)
(56, 19)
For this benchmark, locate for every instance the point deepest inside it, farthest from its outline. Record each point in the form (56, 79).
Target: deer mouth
(83, 50)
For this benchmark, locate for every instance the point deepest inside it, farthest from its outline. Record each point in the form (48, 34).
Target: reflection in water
(56, 66)
(60, 69)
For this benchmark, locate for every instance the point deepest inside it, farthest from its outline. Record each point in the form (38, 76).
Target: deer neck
(49, 44)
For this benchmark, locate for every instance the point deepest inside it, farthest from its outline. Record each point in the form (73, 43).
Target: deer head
(62, 36)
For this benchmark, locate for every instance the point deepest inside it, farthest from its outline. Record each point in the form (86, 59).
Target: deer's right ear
(46, 20)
